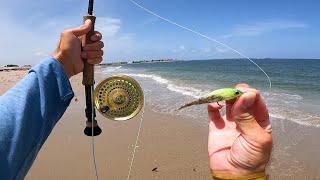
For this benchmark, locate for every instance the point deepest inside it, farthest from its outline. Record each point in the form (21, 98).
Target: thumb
(243, 114)
(83, 29)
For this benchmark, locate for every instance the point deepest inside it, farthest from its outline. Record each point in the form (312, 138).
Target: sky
(261, 29)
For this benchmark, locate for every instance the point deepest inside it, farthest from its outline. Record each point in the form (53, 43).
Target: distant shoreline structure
(176, 60)
(12, 67)
(139, 62)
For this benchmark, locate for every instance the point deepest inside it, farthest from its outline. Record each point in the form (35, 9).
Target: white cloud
(119, 45)
(213, 50)
(109, 27)
(264, 27)
(182, 47)
(179, 49)
(25, 44)
(41, 54)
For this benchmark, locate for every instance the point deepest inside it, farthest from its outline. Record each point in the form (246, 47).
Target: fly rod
(92, 127)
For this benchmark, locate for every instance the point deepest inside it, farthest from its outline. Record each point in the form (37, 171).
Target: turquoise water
(294, 95)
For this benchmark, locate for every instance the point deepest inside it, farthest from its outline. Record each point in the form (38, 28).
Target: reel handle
(88, 71)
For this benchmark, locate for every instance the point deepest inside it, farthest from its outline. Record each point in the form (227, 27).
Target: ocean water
(293, 101)
(294, 95)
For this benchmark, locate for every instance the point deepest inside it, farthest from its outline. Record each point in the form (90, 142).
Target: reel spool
(119, 98)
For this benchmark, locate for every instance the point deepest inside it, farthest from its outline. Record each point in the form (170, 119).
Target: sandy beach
(174, 144)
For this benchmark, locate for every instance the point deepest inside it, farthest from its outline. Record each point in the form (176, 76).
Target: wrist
(58, 57)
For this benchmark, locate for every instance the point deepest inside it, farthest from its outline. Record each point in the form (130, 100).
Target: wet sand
(175, 145)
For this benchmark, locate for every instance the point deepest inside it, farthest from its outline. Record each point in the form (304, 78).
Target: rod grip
(88, 71)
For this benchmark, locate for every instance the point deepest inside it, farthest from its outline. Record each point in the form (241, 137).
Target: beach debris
(194, 170)
(216, 96)
(155, 169)
(76, 99)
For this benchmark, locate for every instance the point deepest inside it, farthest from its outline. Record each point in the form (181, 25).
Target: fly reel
(119, 98)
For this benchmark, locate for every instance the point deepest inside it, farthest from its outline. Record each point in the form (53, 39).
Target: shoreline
(176, 145)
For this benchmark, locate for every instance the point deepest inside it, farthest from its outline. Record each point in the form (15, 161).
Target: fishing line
(92, 140)
(94, 156)
(137, 140)
(142, 115)
(201, 35)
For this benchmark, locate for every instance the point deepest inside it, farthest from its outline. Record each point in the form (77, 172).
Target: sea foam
(278, 101)
(184, 90)
(111, 69)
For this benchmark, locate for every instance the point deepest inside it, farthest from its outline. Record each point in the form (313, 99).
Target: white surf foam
(196, 93)
(187, 91)
(111, 69)
(286, 96)
(278, 116)
(306, 121)
(158, 79)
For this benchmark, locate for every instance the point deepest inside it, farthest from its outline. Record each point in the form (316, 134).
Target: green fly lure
(216, 96)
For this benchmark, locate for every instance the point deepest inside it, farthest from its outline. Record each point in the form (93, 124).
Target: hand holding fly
(240, 142)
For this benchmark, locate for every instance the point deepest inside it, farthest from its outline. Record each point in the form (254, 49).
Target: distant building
(11, 66)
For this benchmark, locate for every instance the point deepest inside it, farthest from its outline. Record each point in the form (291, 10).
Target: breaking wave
(111, 69)
(188, 91)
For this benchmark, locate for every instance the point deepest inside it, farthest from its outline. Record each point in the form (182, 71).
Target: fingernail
(87, 21)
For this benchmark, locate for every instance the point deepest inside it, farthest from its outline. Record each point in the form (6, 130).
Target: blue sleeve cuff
(54, 66)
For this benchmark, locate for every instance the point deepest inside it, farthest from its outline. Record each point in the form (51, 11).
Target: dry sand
(9, 79)
(175, 145)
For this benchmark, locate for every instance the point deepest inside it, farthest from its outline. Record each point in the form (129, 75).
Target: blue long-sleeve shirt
(28, 113)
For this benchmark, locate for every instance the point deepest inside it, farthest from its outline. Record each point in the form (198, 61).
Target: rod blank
(90, 7)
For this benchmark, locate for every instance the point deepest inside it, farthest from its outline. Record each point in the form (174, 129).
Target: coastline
(174, 144)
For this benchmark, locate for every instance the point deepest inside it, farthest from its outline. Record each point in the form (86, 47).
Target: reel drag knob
(119, 98)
